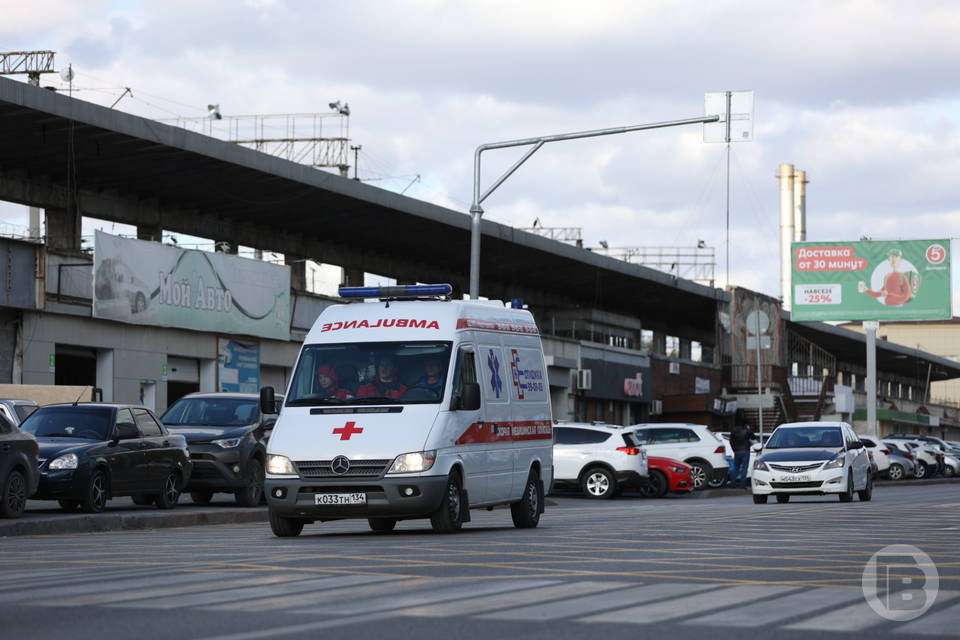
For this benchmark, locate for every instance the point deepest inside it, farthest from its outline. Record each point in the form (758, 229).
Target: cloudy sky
(860, 94)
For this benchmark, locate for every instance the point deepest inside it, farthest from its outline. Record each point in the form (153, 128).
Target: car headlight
(68, 461)
(280, 466)
(413, 462)
(836, 463)
(760, 465)
(677, 469)
(228, 443)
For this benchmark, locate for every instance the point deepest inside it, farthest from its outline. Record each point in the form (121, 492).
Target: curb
(91, 523)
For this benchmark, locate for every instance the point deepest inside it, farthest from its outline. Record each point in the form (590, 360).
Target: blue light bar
(402, 291)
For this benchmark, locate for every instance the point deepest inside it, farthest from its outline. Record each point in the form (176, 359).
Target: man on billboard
(898, 286)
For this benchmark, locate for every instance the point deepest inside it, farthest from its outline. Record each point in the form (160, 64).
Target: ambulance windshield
(371, 373)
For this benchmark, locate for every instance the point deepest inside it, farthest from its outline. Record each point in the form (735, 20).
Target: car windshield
(24, 410)
(806, 437)
(370, 373)
(90, 423)
(212, 412)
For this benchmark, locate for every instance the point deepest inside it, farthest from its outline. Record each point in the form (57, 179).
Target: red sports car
(667, 474)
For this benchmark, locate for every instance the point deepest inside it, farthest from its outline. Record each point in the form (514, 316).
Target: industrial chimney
(787, 214)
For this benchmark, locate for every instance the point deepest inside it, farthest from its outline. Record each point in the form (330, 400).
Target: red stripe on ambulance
(487, 432)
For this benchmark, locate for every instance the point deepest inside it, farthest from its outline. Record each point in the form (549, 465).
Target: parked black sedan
(18, 469)
(227, 435)
(91, 452)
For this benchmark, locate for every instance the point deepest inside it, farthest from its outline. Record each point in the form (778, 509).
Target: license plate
(340, 498)
(795, 479)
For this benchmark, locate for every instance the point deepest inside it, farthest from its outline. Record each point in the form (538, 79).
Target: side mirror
(856, 445)
(268, 401)
(469, 397)
(126, 431)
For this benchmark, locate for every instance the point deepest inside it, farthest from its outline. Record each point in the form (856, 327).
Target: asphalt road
(674, 568)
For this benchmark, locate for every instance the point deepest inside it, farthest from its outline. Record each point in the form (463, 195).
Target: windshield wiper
(374, 400)
(62, 435)
(314, 402)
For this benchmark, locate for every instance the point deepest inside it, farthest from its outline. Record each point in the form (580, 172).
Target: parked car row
(84, 454)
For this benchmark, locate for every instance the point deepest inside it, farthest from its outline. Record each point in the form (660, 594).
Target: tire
(866, 494)
(717, 480)
(847, 496)
(700, 475)
(169, 492)
(285, 527)
(252, 491)
(895, 472)
(598, 483)
(760, 499)
(526, 512)
(382, 524)
(69, 505)
(143, 499)
(448, 518)
(948, 471)
(920, 472)
(13, 495)
(95, 498)
(201, 497)
(783, 498)
(658, 485)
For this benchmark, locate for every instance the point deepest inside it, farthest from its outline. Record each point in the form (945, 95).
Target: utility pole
(356, 160)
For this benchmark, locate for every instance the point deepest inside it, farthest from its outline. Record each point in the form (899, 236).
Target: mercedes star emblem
(340, 465)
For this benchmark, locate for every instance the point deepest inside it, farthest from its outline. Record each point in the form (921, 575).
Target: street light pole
(476, 211)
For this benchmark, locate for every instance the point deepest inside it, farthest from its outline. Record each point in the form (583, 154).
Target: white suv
(694, 444)
(597, 459)
(812, 458)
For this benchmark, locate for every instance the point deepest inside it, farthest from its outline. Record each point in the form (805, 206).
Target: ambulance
(412, 406)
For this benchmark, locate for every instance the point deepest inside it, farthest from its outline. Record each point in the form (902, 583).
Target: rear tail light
(630, 451)
(720, 449)
(885, 452)
(908, 456)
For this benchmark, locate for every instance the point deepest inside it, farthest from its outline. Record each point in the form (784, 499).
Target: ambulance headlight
(413, 462)
(280, 466)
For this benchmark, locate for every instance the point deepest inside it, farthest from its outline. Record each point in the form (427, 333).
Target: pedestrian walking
(741, 438)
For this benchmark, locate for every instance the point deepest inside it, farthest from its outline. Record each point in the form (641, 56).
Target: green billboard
(871, 280)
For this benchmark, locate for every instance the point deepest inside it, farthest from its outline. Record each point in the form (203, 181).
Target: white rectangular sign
(149, 283)
(818, 294)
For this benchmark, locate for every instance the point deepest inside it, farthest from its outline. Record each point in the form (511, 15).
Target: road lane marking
(57, 594)
(940, 622)
(489, 603)
(109, 599)
(591, 603)
(300, 600)
(679, 607)
(776, 610)
(274, 632)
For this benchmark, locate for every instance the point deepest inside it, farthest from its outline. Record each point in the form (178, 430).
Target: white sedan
(812, 458)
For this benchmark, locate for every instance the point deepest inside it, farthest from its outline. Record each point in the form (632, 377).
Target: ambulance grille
(358, 469)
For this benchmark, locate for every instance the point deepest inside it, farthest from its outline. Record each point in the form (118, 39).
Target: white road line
(942, 622)
(350, 593)
(301, 628)
(770, 611)
(513, 599)
(36, 581)
(402, 600)
(679, 607)
(854, 617)
(275, 587)
(177, 589)
(57, 594)
(590, 603)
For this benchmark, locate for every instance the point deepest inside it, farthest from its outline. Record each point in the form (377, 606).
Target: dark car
(18, 468)
(91, 452)
(227, 435)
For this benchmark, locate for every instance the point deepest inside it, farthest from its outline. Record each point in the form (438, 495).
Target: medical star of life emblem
(340, 465)
(496, 383)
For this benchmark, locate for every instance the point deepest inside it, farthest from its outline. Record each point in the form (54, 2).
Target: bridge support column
(152, 232)
(63, 229)
(298, 272)
(352, 277)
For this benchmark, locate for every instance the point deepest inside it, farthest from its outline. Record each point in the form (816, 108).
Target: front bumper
(62, 484)
(819, 483)
(296, 498)
(216, 468)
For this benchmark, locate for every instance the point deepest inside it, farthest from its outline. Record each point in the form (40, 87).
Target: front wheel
(13, 496)
(285, 527)
(847, 496)
(526, 512)
(169, 492)
(700, 475)
(252, 491)
(866, 494)
(598, 483)
(895, 472)
(95, 498)
(448, 518)
(920, 472)
(948, 472)
(657, 487)
(759, 499)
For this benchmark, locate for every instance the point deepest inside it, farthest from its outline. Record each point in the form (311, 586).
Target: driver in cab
(386, 384)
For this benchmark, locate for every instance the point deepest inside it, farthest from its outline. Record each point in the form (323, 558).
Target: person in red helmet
(386, 384)
(328, 384)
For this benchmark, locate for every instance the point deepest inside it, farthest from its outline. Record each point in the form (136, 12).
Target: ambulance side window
(466, 371)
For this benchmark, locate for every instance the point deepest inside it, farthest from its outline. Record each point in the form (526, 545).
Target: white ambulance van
(412, 406)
